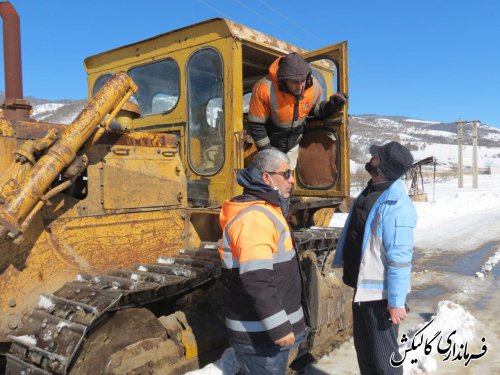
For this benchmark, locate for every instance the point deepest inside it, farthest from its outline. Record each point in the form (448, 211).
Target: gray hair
(269, 160)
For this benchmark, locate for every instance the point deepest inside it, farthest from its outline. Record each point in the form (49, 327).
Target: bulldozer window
(321, 80)
(159, 86)
(205, 91)
(99, 83)
(246, 102)
(325, 72)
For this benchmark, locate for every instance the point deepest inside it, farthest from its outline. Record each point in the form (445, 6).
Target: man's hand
(397, 314)
(287, 340)
(338, 100)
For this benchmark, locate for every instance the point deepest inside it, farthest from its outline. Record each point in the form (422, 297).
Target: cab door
(323, 162)
(210, 123)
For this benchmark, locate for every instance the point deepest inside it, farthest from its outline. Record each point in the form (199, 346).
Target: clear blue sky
(430, 59)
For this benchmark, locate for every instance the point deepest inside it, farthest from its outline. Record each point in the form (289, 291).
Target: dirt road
(443, 275)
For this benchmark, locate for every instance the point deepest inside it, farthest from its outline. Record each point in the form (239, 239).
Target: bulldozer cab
(114, 219)
(196, 83)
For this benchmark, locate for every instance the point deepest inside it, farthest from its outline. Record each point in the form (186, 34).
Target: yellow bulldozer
(109, 225)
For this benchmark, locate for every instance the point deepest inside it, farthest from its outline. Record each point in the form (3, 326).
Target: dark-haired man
(282, 101)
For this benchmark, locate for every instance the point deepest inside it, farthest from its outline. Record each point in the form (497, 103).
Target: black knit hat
(294, 67)
(395, 159)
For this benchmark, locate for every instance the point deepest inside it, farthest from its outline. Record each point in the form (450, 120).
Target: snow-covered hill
(423, 138)
(58, 113)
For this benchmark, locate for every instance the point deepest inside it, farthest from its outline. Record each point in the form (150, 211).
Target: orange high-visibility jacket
(260, 272)
(276, 116)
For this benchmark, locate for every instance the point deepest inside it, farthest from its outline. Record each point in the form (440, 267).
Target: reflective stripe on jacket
(277, 117)
(262, 287)
(387, 249)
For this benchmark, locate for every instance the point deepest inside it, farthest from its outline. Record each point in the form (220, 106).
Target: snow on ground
(452, 224)
(456, 334)
(448, 154)
(225, 365)
(450, 211)
(434, 133)
(450, 332)
(445, 154)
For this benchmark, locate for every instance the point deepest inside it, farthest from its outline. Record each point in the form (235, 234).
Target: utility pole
(460, 139)
(474, 154)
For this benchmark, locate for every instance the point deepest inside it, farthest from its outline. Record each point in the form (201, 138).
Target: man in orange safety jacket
(282, 101)
(260, 269)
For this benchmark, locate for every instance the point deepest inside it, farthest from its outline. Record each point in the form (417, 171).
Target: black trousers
(375, 338)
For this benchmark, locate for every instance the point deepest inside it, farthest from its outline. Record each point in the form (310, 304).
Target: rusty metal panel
(139, 139)
(35, 129)
(26, 270)
(27, 200)
(6, 129)
(115, 241)
(50, 257)
(7, 145)
(247, 34)
(137, 184)
(142, 177)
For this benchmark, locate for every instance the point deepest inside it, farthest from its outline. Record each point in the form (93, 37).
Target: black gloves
(334, 104)
(337, 100)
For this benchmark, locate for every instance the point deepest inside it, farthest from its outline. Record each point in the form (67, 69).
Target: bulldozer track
(55, 330)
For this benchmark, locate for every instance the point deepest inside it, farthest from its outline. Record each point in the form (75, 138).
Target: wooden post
(474, 154)
(460, 139)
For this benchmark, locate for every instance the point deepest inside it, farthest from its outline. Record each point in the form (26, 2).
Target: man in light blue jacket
(375, 249)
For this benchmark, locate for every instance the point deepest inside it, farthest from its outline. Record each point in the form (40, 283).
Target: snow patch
(60, 326)
(338, 220)
(226, 365)
(44, 108)
(47, 335)
(163, 260)
(488, 266)
(45, 303)
(451, 327)
(421, 121)
(29, 340)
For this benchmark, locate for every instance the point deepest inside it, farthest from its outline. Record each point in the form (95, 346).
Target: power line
(295, 24)
(271, 22)
(213, 8)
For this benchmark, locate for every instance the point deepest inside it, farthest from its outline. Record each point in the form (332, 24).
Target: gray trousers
(375, 338)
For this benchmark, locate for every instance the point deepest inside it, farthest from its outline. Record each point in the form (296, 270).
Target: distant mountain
(438, 132)
(423, 138)
(59, 112)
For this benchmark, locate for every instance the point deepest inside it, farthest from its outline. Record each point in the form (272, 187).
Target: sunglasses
(286, 174)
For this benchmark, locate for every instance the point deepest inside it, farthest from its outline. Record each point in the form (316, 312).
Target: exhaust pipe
(15, 107)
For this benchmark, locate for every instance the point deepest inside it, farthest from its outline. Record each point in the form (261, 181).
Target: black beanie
(395, 159)
(294, 67)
